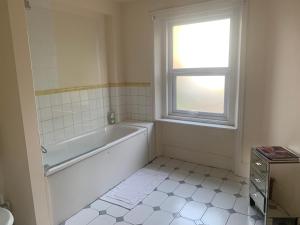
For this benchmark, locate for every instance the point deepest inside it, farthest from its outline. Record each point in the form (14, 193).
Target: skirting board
(200, 157)
(242, 169)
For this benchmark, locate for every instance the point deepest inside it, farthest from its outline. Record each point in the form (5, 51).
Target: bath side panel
(80, 184)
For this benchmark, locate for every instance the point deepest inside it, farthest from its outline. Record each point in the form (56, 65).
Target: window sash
(192, 20)
(172, 101)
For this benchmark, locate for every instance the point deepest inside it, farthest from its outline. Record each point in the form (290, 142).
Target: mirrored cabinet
(275, 185)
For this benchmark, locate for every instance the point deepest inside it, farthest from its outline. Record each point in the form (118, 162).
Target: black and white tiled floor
(191, 195)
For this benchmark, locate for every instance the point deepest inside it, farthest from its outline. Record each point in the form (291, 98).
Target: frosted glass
(201, 45)
(200, 93)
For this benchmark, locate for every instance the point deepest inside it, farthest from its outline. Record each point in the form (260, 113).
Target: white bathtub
(69, 152)
(81, 169)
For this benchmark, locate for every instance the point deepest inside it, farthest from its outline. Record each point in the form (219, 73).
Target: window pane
(200, 93)
(201, 45)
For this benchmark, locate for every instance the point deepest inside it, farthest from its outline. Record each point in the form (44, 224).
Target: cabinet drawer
(259, 165)
(258, 181)
(258, 198)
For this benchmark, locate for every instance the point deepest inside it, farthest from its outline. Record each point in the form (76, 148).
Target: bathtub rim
(48, 171)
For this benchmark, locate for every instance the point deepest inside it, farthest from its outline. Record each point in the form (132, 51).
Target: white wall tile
(68, 121)
(92, 94)
(68, 114)
(44, 101)
(69, 132)
(105, 92)
(84, 96)
(66, 98)
(45, 114)
(76, 107)
(75, 97)
(67, 108)
(59, 135)
(99, 94)
(48, 138)
(47, 126)
(58, 123)
(56, 99)
(57, 111)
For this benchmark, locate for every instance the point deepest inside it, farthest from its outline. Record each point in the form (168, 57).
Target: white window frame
(208, 11)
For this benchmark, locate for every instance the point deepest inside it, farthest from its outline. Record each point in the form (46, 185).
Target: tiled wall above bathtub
(65, 114)
(68, 114)
(134, 103)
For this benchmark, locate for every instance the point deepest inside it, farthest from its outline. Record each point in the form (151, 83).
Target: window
(198, 53)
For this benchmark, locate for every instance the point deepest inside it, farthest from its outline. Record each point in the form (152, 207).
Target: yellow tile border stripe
(88, 87)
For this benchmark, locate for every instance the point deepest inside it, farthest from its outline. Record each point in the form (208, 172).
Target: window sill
(192, 123)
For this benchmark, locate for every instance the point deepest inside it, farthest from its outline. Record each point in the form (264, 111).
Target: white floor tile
(167, 170)
(100, 205)
(245, 190)
(159, 217)
(203, 195)
(194, 179)
(193, 210)
(156, 198)
(117, 211)
(173, 204)
(179, 175)
(224, 200)
(185, 190)
(122, 223)
(182, 221)
(239, 219)
(231, 187)
(259, 222)
(168, 186)
(242, 206)
(103, 220)
(139, 214)
(83, 217)
(212, 183)
(215, 216)
(199, 222)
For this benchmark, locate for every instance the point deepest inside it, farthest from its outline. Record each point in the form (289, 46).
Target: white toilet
(6, 218)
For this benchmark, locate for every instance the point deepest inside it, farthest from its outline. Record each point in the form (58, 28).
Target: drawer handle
(257, 180)
(258, 164)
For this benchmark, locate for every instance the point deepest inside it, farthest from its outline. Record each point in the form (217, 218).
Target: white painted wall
(271, 94)
(255, 79)
(198, 144)
(73, 44)
(19, 143)
(68, 48)
(282, 108)
(212, 146)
